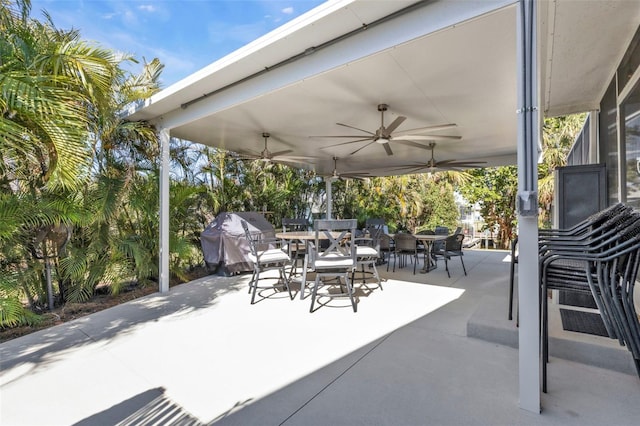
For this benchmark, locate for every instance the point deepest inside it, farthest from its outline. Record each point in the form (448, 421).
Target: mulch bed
(71, 311)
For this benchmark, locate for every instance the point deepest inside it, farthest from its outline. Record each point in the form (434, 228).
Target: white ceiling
(442, 62)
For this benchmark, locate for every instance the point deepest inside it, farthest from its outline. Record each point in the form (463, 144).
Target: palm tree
(60, 102)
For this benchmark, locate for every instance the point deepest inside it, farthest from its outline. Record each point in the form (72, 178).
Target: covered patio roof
(434, 62)
(489, 67)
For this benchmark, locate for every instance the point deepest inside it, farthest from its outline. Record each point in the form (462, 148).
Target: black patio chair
(406, 246)
(601, 267)
(450, 247)
(580, 234)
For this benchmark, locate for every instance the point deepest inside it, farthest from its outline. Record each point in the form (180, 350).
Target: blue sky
(185, 35)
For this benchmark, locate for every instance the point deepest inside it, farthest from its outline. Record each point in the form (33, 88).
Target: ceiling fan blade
(346, 143)
(409, 143)
(355, 128)
(362, 147)
(296, 157)
(279, 153)
(468, 164)
(444, 162)
(411, 169)
(394, 125)
(426, 137)
(341, 136)
(387, 148)
(409, 166)
(431, 128)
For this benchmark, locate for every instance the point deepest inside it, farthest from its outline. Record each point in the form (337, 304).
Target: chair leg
(314, 292)
(511, 284)
(254, 281)
(463, 268)
(446, 266)
(350, 292)
(285, 280)
(545, 336)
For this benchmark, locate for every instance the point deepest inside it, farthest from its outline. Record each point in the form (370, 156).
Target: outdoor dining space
(424, 349)
(337, 254)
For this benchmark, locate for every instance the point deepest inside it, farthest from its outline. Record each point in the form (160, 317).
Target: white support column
(329, 183)
(163, 268)
(527, 205)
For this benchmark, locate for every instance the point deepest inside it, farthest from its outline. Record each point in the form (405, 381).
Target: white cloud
(287, 10)
(147, 8)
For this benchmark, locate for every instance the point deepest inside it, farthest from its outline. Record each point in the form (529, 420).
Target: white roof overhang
(434, 62)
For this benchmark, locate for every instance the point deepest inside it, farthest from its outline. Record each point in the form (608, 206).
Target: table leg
(303, 281)
(429, 264)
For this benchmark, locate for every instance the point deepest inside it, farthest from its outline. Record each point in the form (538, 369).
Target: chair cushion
(333, 262)
(366, 251)
(271, 256)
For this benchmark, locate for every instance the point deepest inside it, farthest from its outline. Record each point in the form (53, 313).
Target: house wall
(618, 131)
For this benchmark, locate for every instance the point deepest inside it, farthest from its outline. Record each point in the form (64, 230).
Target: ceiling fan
(342, 176)
(274, 157)
(384, 135)
(432, 164)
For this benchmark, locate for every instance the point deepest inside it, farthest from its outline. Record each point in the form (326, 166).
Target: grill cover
(224, 245)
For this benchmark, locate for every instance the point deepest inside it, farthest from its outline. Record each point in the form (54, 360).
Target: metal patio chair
(296, 250)
(266, 254)
(333, 261)
(607, 260)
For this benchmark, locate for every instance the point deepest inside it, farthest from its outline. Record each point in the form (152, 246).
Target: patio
(201, 354)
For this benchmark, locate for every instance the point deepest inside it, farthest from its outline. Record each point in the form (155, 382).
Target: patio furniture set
(339, 254)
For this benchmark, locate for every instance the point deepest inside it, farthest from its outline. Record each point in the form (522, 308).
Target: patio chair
(406, 245)
(602, 267)
(335, 261)
(368, 252)
(451, 247)
(266, 254)
(439, 245)
(387, 246)
(296, 250)
(578, 235)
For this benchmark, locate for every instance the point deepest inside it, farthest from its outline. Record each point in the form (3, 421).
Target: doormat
(572, 298)
(583, 322)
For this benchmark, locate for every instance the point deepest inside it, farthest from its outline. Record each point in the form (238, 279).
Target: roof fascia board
(434, 17)
(286, 30)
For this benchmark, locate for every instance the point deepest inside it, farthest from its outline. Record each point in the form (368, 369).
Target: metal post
(47, 267)
(164, 211)
(527, 205)
(329, 184)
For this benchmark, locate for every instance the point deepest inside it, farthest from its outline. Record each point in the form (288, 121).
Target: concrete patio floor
(201, 354)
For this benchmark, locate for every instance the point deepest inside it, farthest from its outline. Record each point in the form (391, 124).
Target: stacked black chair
(580, 233)
(599, 257)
